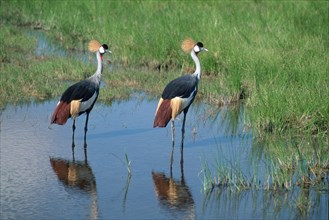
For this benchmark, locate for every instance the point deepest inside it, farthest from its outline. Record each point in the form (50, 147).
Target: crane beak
(205, 49)
(108, 51)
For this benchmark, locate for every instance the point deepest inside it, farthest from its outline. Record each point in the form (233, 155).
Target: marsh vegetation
(272, 56)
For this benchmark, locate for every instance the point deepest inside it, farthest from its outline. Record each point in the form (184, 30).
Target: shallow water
(41, 179)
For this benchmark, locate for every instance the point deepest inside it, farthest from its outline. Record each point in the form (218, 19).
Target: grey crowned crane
(81, 97)
(179, 94)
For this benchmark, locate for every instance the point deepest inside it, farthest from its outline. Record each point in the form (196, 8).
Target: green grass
(303, 162)
(274, 164)
(274, 54)
(25, 76)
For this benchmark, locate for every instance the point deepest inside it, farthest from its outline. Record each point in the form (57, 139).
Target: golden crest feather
(93, 46)
(188, 45)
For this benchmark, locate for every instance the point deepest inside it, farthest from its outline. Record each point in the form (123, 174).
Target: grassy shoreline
(274, 54)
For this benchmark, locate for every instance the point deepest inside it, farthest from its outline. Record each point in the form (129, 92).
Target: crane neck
(98, 74)
(99, 63)
(196, 60)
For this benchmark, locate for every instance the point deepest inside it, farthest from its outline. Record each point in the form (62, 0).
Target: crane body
(179, 94)
(76, 100)
(80, 97)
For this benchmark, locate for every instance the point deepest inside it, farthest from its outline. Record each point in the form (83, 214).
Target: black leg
(86, 156)
(182, 173)
(73, 157)
(182, 143)
(73, 129)
(183, 126)
(86, 129)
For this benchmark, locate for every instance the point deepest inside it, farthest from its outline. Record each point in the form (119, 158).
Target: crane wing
(82, 90)
(180, 87)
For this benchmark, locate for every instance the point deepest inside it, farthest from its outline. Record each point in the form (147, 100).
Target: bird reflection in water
(174, 195)
(77, 175)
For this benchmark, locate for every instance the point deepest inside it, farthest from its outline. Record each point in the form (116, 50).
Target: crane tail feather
(61, 113)
(163, 113)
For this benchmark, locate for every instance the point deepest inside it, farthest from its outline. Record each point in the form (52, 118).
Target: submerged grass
(275, 165)
(272, 54)
(302, 203)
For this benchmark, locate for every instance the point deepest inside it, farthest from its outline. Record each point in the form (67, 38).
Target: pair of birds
(177, 96)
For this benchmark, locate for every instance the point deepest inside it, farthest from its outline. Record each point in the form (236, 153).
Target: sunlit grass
(272, 54)
(25, 76)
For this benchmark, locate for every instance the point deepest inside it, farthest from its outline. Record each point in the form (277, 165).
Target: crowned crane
(81, 97)
(179, 94)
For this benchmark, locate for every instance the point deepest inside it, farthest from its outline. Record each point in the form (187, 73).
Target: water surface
(40, 179)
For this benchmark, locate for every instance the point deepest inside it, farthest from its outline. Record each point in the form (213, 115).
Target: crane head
(199, 47)
(104, 48)
(188, 45)
(94, 46)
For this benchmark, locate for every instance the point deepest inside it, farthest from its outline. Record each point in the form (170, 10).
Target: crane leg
(182, 143)
(183, 126)
(73, 129)
(86, 156)
(173, 143)
(86, 129)
(172, 131)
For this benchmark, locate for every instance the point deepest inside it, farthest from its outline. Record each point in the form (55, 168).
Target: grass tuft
(277, 164)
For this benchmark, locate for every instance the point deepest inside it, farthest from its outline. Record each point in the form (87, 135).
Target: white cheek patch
(196, 48)
(101, 50)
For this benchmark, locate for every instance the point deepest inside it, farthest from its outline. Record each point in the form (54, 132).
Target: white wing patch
(187, 101)
(86, 105)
